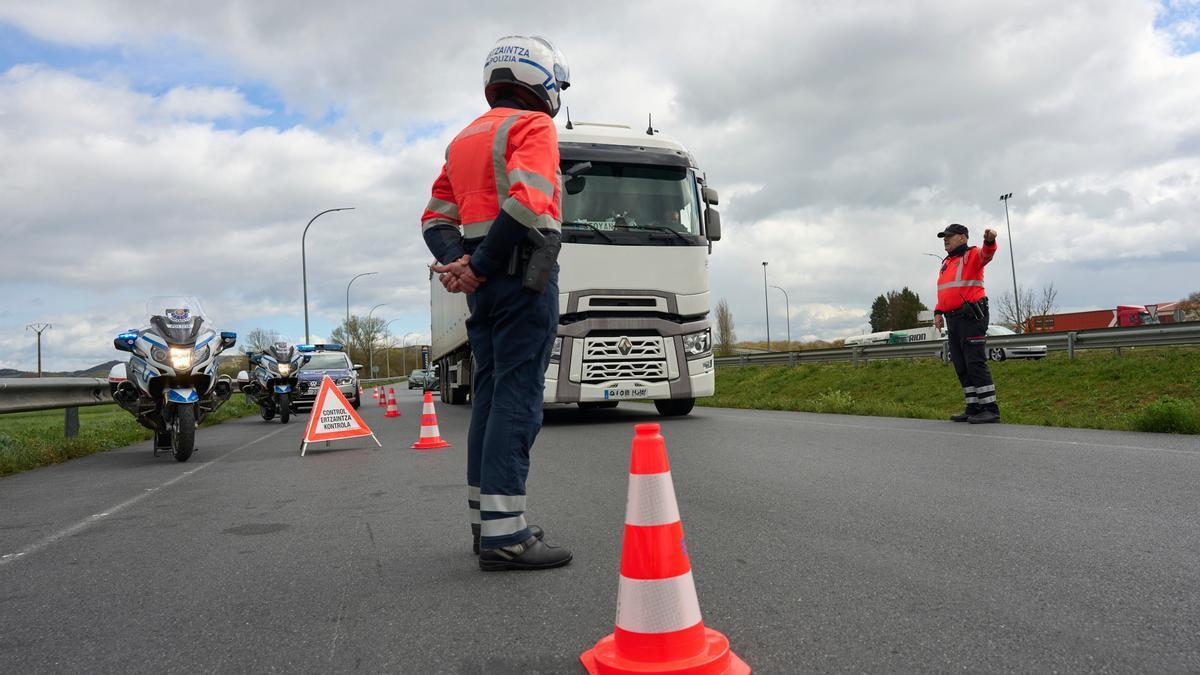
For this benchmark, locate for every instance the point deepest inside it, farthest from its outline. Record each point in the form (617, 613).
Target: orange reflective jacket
(505, 160)
(961, 278)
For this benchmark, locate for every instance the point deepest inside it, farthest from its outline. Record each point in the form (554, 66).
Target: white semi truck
(638, 227)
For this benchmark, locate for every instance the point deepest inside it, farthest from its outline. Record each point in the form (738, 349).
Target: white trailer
(638, 227)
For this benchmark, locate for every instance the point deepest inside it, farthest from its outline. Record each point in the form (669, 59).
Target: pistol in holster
(534, 260)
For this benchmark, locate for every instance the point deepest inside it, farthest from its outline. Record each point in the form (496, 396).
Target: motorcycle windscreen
(177, 318)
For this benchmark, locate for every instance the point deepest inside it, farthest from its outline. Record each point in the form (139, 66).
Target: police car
(326, 359)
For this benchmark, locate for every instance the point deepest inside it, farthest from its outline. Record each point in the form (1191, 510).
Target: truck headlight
(556, 350)
(284, 368)
(695, 344)
(181, 359)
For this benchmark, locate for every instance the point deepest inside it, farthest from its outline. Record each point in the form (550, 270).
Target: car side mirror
(358, 366)
(228, 339)
(712, 224)
(710, 196)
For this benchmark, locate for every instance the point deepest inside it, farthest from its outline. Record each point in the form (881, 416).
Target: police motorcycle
(272, 385)
(171, 383)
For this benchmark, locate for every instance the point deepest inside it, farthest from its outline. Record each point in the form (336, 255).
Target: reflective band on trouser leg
(473, 504)
(500, 527)
(659, 619)
(506, 503)
(987, 399)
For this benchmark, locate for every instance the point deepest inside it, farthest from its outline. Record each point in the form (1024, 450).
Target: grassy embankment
(33, 439)
(1145, 389)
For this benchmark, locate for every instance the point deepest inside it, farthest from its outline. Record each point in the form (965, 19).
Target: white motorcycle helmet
(531, 63)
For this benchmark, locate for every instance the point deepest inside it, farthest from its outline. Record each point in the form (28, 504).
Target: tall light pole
(371, 341)
(404, 349)
(39, 328)
(304, 263)
(1012, 260)
(364, 274)
(387, 354)
(787, 306)
(766, 306)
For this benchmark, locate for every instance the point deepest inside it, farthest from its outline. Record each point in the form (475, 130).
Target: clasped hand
(458, 277)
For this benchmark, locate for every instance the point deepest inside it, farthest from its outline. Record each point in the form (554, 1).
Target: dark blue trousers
(511, 332)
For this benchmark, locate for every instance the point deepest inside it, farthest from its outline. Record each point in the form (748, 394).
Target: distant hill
(100, 370)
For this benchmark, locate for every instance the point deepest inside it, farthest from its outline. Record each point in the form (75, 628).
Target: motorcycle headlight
(160, 355)
(695, 344)
(181, 359)
(556, 350)
(285, 368)
(201, 354)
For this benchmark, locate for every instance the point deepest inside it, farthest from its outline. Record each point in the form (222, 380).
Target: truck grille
(604, 371)
(639, 347)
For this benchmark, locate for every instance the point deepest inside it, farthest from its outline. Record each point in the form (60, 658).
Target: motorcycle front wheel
(183, 435)
(285, 408)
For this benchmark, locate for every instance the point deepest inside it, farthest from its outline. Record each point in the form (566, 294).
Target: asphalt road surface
(818, 543)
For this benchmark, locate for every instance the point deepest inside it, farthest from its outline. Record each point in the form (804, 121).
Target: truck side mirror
(712, 224)
(710, 196)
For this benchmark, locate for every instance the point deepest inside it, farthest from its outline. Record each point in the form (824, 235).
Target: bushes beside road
(1145, 389)
(30, 440)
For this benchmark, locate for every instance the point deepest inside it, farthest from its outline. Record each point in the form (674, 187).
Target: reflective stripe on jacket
(961, 278)
(507, 159)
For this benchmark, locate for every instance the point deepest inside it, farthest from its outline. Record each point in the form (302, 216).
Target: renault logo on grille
(625, 346)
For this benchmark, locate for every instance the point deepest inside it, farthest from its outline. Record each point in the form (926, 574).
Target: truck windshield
(632, 205)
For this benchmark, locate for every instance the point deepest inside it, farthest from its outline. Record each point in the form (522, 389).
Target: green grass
(1145, 389)
(30, 440)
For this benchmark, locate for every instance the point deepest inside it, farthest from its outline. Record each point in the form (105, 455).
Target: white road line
(95, 518)
(1084, 444)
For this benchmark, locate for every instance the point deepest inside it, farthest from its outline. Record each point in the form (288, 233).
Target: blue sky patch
(1181, 20)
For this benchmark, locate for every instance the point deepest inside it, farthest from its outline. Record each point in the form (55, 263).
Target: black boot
(533, 529)
(985, 417)
(531, 554)
(965, 414)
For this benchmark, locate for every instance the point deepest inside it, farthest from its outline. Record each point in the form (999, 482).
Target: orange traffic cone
(382, 397)
(659, 628)
(392, 410)
(375, 392)
(431, 437)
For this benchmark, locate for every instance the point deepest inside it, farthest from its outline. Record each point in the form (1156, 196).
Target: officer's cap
(953, 228)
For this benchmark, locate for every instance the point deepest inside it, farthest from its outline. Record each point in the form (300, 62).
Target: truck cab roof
(590, 138)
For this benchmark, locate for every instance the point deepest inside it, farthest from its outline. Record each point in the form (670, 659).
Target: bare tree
(359, 335)
(256, 340)
(726, 337)
(1032, 304)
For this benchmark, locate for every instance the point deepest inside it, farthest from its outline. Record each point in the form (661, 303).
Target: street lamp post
(387, 352)
(364, 274)
(787, 306)
(766, 306)
(371, 341)
(404, 350)
(1012, 260)
(39, 328)
(304, 263)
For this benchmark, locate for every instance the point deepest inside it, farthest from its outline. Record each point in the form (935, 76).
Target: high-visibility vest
(961, 278)
(507, 159)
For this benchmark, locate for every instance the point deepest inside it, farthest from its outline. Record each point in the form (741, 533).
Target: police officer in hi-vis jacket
(962, 306)
(494, 225)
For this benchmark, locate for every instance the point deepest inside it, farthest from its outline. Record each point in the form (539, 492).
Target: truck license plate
(620, 393)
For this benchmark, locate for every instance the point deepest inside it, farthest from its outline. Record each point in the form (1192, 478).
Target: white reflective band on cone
(657, 605)
(651, 500)
(430, 432)
(501, 527)
(428, 409)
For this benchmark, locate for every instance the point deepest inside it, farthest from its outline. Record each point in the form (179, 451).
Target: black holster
(538, 256)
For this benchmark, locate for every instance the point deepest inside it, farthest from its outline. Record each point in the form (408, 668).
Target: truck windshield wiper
(592, 228)
(660, 228)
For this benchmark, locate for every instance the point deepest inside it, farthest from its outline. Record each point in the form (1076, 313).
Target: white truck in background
(638, 227)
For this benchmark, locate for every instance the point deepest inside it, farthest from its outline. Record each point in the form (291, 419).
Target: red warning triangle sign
(333, 418)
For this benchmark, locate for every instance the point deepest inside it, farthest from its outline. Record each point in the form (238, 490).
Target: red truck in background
(1123, 315)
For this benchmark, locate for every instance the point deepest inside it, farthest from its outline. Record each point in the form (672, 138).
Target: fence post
(1117, 352)
(71, 423)
(791, 359)
(1071, 346)
(854, 356)
(742, 360)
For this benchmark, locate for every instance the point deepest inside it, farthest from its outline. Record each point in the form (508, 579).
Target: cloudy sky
(152, 147)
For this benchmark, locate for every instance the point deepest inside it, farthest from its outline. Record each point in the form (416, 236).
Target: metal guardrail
(26, 394)
(1176, 334)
